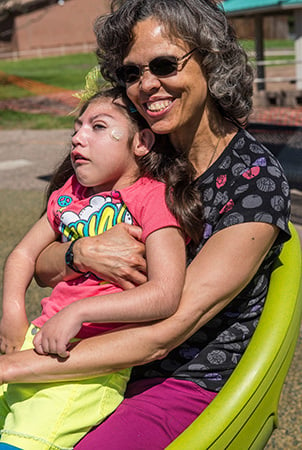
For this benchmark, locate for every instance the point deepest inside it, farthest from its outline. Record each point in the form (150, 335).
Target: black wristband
(69, 258)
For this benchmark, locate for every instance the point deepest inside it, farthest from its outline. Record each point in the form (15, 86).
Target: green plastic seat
(245, 412)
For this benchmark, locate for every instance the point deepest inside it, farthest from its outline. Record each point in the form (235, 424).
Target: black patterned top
(245, 184)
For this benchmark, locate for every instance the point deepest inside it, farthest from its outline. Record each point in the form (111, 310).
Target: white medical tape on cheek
(117, 133)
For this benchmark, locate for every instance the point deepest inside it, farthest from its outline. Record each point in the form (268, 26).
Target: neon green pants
(56, 415)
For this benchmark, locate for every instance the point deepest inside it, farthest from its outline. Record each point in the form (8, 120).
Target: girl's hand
(55, 335)
(117, 256)
(12, 333)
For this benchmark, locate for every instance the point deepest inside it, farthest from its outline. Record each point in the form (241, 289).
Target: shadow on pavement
(285, 142)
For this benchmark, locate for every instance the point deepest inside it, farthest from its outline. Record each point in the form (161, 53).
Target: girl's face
(101, 155)
(172, 104)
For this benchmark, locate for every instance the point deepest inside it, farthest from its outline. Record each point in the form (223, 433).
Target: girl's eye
(73, 133)
(99, 126)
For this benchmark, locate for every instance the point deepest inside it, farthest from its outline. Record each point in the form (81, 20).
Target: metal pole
(298, 47)
(259, 49)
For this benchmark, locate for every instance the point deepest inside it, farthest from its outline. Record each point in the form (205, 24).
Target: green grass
(269, 44)
(62, 71)
(10, 120)
(67, 72)
(8, 91)
(278, 44)
(285, 58)
(17, 214)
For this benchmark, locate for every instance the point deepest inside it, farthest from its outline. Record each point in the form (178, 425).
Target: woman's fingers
(116, 256)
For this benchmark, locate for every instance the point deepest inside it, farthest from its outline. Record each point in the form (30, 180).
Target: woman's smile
(158, 107)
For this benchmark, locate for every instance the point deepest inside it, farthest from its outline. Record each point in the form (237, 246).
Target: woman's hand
(117, 256)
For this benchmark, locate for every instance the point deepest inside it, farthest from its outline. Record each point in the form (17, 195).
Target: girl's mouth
(78, 158)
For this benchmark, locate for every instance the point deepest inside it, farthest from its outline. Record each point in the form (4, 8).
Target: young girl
(112, 160)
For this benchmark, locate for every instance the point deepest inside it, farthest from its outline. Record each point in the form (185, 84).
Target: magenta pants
(153, 414)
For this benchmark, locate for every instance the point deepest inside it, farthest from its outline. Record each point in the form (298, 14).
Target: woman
(183, 69)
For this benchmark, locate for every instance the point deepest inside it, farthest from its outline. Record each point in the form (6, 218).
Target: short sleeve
(146, 202)
(51, 211)
(60, 199)
(250, 186)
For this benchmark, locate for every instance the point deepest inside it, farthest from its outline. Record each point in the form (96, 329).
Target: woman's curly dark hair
(199, 23)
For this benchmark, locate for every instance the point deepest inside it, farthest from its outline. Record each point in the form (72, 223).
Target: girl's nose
(78, 137)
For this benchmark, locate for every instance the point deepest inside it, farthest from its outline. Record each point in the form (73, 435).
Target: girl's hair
(199, 23)
(162, 163)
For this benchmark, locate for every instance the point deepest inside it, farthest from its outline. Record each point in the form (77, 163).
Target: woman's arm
(116, 256)
(156, 299)
(219, 272)
(18, 273)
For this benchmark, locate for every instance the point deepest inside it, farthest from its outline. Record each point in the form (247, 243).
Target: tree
(13, 8)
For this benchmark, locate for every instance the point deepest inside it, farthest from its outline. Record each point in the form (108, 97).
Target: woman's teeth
(158, 106)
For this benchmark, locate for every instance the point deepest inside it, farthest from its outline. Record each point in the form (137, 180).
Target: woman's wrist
(69, 258)
(80, 250)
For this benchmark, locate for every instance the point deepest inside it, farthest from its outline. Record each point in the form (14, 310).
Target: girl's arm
(18, 273)
(223, 268)
(156, 299)
(117, 256)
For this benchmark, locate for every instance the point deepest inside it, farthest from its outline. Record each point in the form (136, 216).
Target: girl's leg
(57, 415)
(37, 416)
(4, 406)
(152, 415)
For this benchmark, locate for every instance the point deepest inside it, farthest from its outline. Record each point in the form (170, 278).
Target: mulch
(62, 103)
(45, 99)
(48, 99)
(59, 104)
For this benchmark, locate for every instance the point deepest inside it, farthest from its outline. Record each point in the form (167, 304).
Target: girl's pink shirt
(73, 214)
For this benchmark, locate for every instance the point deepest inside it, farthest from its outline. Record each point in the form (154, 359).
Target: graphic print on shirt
(100, 215)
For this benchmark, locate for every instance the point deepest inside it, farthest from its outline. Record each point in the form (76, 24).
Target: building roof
(238, 7)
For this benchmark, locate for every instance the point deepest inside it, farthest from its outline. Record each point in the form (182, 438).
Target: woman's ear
(145, 141)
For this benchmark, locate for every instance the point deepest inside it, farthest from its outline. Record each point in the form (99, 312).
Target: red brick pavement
(278, 115)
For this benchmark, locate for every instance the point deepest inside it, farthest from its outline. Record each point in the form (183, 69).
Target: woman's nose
(148, 81)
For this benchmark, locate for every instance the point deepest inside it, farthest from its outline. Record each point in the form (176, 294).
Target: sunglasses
(161, 66)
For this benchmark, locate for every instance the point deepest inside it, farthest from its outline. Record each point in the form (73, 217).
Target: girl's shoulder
(144, 187)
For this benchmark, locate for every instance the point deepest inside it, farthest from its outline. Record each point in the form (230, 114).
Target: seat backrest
(244, 413)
